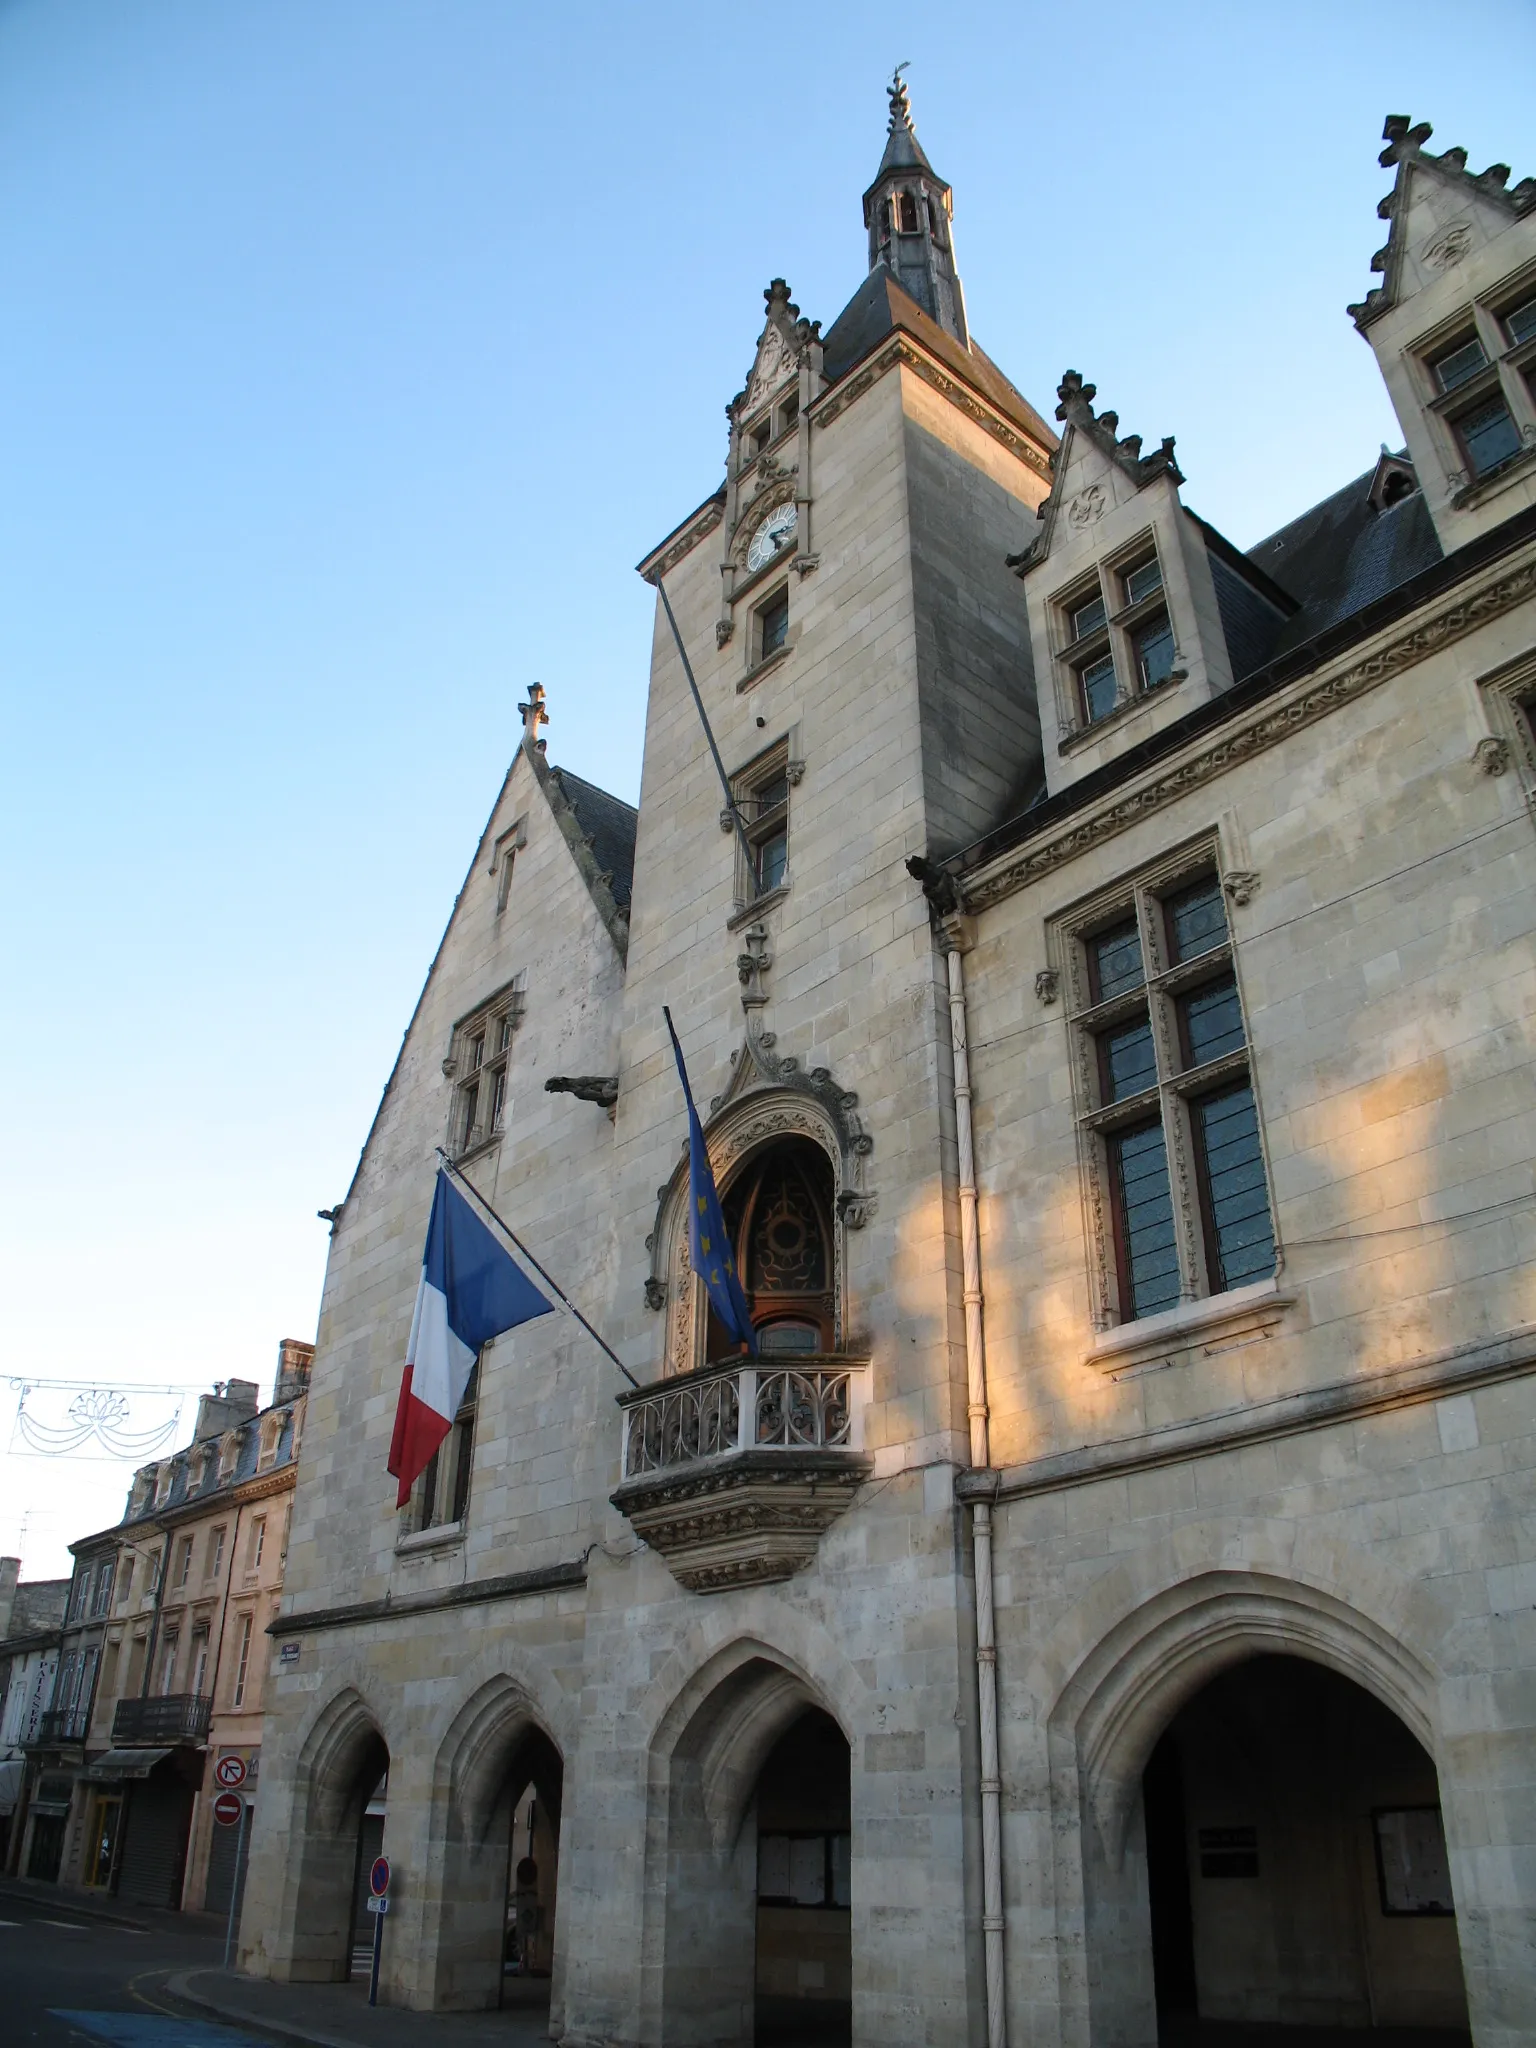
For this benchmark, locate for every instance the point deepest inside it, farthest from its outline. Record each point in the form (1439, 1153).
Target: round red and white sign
(229, 1772)
(226, 1808)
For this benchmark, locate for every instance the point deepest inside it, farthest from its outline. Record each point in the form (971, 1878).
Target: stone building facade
(31, 1628)
(160, 1667)
(1104, 1601)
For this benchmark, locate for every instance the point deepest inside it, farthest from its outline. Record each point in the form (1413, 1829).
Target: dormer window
(789, 412)
(1087, 619)
(1520, 324)
(761, 435)
(1142, 581)
(1153, 651)
(1488, 436)
(1459, 365)
(1100, 687)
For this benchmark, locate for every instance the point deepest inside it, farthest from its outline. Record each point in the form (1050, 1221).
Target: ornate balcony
(734, 1471)
(162, 1721)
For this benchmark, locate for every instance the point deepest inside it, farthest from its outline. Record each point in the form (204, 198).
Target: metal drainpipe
(956, 942)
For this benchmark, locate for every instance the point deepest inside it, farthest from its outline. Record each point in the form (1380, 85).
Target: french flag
(472, 1290)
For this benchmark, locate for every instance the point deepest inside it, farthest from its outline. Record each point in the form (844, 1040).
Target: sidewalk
(339, 2015)
(79, 1904)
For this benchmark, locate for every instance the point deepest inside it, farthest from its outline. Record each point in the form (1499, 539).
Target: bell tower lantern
(907, 211)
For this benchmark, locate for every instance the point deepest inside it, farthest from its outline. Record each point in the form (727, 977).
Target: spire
(907, 212)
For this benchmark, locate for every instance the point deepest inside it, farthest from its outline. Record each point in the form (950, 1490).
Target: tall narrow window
(242, 1661)
(1167, 1112)
(168, 1660)
(199, 1661)
(215, 1553)
(183, 1560)
(258, 1542)
(762, 800)
(441, 1494)
(480, 1059)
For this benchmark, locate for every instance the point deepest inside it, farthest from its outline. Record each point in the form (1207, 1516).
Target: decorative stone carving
(724, 628)
(1086, 507)
(602, 1089)
(794, 773)
(751, 966)
(1449, 246)
(655, 1293)
(1242, 885)
(1047, 985)
(749, 1520)
(1492, 754)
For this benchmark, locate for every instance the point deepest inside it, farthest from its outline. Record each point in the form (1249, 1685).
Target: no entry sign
(229, 1772)
(227, 1808)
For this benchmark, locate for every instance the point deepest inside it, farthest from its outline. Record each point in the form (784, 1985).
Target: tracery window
(1167, 1115)
(778, 1211)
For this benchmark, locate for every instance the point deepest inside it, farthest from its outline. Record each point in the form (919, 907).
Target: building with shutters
(161, 1668)
(1101, 1603)
(31, 1627)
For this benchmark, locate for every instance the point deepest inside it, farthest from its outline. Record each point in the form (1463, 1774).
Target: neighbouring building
(31, 1625)
(159, 1668)
(1104, 1601)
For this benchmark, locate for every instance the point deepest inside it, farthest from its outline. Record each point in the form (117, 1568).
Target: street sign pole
(234, 1890)
(373, 1974)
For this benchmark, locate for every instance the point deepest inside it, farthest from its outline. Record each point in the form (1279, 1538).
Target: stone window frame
(1508, 372)
(1508, 695)
(477, 1104)
(438, 1509)
(778, 761)
(1144, 892)
(1124, 620)
(507, 846)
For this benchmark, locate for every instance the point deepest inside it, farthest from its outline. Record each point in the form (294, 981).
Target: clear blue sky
(355, 351)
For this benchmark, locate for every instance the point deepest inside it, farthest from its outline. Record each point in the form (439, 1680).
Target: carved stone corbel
(603, 1089)
(1242, 885)
(1491, 754)
(1047, 985)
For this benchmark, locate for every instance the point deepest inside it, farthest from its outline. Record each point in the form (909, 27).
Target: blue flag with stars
(708, 1246)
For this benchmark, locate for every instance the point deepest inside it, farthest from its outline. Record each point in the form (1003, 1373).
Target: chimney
(294, 1359)
(10, 1572)
(231, 1403)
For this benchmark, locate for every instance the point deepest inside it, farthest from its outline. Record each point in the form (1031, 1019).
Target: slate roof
(609, 822)
(1342, 555)
(879, 307)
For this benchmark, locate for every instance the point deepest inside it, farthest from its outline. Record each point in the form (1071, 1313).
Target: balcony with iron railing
(62, 1724)
(734, 1472)
(161, 1721)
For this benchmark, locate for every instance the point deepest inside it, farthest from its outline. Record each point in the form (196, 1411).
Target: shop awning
(11, 1773)
(113, 1765)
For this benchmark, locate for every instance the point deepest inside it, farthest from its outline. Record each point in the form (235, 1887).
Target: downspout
(955, 936)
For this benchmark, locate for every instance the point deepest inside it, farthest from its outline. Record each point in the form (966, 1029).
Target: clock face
(774, 532)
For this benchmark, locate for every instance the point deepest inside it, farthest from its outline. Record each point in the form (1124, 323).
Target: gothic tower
(907, 211)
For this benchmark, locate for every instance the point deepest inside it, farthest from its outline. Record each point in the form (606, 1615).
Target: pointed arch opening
(498, 1799)
(1296, 1873)
(342, 1781)
(778, 1209)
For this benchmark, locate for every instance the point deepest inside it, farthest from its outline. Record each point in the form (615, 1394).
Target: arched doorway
(1296, 1868)
(779, 1213)
(370, 1846)
(501, 1783)
(804, 1966)
(342, 1783)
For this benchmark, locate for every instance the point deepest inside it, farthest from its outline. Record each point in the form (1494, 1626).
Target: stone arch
(768, 1100)
(1138, 1677)
(495, 1746)
(1140, 1644)
(340, 1761)
(707, 1748)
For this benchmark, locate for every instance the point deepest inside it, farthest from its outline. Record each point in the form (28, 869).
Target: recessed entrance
(804, 1974)
(778, 1214)
(370, 1845)
(1296, 1869)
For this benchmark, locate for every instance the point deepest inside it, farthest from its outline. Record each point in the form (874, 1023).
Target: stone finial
(1403, 140)
(896, 93)
(533, 713)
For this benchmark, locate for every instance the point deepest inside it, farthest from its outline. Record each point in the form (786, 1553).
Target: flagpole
(602, 1344)
(725, 781)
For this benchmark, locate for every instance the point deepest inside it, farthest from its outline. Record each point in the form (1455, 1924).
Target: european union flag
(709, 1248)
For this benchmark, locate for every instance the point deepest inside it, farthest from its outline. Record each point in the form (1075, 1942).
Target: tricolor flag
(472, 1289)
(709, 1249)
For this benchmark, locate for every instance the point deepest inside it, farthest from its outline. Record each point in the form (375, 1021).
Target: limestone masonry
(1107, 1597)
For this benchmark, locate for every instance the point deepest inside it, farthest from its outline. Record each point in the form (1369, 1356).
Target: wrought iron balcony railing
(741, 1405)
(733, 1473)
(62, 1724)
(162, 1721)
